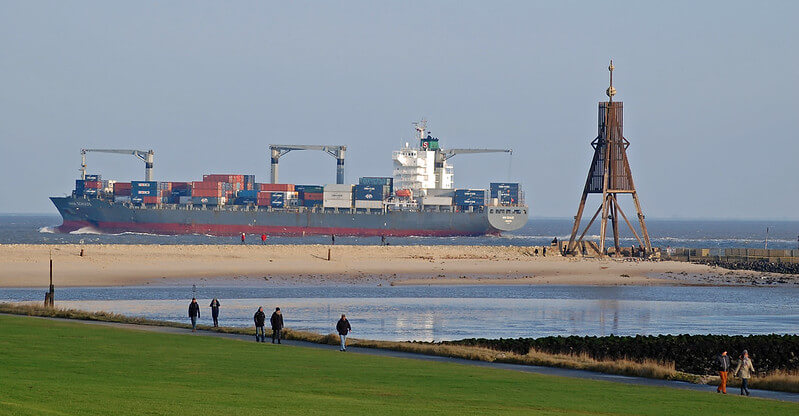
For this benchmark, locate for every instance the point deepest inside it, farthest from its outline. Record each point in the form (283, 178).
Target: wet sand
(118, 265)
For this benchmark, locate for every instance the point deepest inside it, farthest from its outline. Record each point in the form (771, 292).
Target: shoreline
(26, 266)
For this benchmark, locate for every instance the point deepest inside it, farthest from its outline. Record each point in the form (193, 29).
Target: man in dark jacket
(277, 324)
(194, 313)
(343, 327)
(723, 366)
(260, 318)
(215, 311)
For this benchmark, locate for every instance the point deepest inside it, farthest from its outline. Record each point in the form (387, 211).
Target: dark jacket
(260, 318)
(194, 310)
(343, 326)
(277, 320)
(723, 363)
(214, 308)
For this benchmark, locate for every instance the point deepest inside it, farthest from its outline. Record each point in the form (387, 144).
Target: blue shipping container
(93, 177)
(370, 192)
(202, 200)
(137, 199)
(378, 180)
(245, 200)
(499, 189)
(143, 192)
(80, 184)
(247, 193)
(311, 203)
(469, 197)
(144, 185)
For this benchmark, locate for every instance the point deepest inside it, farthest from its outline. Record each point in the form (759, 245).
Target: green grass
(56, 367)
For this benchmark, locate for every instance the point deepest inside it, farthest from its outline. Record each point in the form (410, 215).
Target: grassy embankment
(58, 367)
(781, 381)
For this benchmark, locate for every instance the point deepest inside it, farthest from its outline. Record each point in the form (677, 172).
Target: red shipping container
(92, 184)
(277, 187)
(180, 185)
(152, 199)
(207, 185)
(264, 202)
(208, 193)
(121, 185)
(313, 196)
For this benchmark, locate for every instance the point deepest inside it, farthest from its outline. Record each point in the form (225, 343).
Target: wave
(47, 230)
(87, 230)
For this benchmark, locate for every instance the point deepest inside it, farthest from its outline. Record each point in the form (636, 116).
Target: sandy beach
(117, 265)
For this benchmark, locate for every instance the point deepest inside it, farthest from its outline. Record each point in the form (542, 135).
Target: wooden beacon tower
(610, 176)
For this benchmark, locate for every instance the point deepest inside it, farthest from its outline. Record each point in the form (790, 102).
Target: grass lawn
(65, 368)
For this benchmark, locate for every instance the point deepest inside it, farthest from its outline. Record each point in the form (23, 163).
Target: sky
(709, 89)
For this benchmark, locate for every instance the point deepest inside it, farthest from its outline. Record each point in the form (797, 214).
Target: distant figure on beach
(263, 239)
(333, 239)
(536, 251)
(243, 238)
(544, 250)
(723, 365)
(260, 318)
(382, 240)
(215, 311)
(555, 241)
(277, 325)
(194, 313)
(343, 327)
(744, 370)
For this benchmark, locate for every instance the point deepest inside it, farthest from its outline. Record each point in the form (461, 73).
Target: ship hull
(110, 217)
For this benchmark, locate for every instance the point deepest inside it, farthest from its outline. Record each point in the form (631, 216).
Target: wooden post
(328, 254)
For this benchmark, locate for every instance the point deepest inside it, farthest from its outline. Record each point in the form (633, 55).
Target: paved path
(561, 372)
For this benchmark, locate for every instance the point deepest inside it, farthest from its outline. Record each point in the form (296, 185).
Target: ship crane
(278, 150)
(446, 154)
(144, 155)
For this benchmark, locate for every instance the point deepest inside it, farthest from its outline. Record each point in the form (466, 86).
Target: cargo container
(339, 196)
(245, 200)
(369, 204)
(309, 188)
(314, 196)
(249, 183)
(184, 199)
(144, 185)
(506, 188)
(337, 203)
(121, 198)
(378, 180)
(469, 197)
(247, 193)
(312, 203)
(93, 177)
(277, 187)
(137, 199)
(436, 200)
(199, 200)
(335, 187)
(370, 192)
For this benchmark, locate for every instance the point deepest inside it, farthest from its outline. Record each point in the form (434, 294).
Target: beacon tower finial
(611, 91)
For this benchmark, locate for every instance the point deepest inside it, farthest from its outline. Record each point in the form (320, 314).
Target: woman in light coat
(744, 370)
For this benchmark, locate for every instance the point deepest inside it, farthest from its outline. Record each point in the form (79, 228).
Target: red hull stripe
(228, 230)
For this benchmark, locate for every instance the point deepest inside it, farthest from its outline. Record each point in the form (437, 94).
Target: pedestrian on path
(723, 366)
(263, 239)
(243, 238)
(194, 313)
(343, 327)
(215, 311)
(277, 325)
(744, 370)
(260, 318)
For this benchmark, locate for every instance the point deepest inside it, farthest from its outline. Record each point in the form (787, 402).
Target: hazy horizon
(708, 88)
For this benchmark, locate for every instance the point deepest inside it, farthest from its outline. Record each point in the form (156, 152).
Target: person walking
(723, 366)
(545, 251)
(343, 327)
(277, 325)
(215, 311)
(260, 318)
(243, 238)
(744, 370)
(263, 239)
(194, 313)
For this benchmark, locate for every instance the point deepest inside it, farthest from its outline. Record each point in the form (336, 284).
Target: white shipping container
(337, 196)
(369, 204)
(436, 200)
(337, 203)
(121, 198)
(338, 188)
(184, 200)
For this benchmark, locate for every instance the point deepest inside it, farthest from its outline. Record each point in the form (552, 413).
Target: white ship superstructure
(415, 167)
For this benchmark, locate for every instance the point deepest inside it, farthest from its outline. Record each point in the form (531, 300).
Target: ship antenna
(611, 91)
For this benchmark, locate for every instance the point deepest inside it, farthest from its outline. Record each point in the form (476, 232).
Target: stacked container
(337, 196)
(88, 188)
(466, 198)
(506, 193)
(208, 193)
(122, 191)
(378, 181)
(370, 196)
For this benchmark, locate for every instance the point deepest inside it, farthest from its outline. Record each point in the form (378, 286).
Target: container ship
(418, 200)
